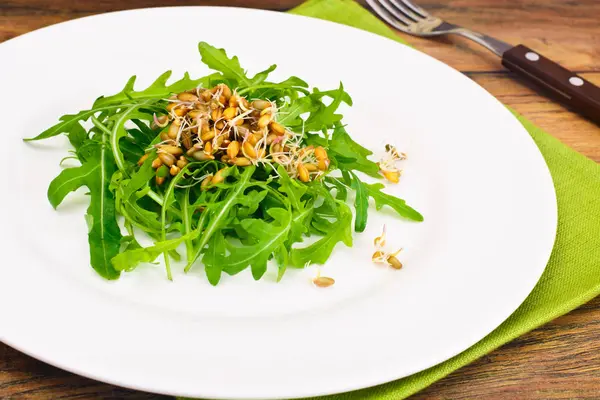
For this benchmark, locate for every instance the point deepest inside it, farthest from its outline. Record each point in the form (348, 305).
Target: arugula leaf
(128, 204)
(68, 122)
(319, 252)
(281, 257)
(361, 204)
(341, 191)
(399, 205)
(220, 211)
(69, 180)
(330, 206)
(269, 235)
(131, 151)
(345, 97)
(217, 59)
(143, 135)
(77, 135)
(169, 197)
(341, 138)
(347, 178)
(300, 225)
(262, 76)
(118, 131)
(136, 215)
(292, 188)
(320, 116)
(349, 155)
(275, 90)
(140, 178)
(321, 225)
(213, 256)
(157, 90)
(293, 82)
(104, 235)
(249, 203)
(290, 115)
(129, 243)
(130, 259)
(325, 116)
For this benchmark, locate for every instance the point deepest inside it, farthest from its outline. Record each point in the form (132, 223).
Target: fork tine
(406, 10)
(395, 12)
(387, 16)
(415, 8)
(398, 12)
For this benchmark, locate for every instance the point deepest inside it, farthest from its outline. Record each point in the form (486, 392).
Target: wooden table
(560, 360)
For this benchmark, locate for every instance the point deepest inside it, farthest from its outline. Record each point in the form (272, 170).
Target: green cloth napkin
(572, 276)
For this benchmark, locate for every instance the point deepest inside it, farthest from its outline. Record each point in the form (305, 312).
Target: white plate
(473, 171)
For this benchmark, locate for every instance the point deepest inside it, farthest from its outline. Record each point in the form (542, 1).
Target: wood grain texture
(560, 360)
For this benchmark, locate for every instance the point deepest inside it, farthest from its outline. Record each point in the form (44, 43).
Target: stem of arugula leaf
(189, 248)
(100, 125)
(338, 181)
(156, 197)
(199, 227)
(131, 221)
(163, 213)
(129, 228)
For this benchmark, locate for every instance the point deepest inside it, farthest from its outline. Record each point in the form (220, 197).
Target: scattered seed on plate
(323, 281)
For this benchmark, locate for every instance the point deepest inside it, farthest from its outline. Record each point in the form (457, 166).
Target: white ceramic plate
(473, 172)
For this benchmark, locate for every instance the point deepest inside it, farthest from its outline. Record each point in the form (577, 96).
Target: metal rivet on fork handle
(576, 81)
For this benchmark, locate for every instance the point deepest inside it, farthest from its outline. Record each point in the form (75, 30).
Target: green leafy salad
(235, 169)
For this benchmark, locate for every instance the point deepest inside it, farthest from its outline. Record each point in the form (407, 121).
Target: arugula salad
(234, 170)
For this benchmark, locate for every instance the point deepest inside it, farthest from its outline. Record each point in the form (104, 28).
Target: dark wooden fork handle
(581, 95)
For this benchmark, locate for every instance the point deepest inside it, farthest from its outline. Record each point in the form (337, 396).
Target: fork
(576, 92)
